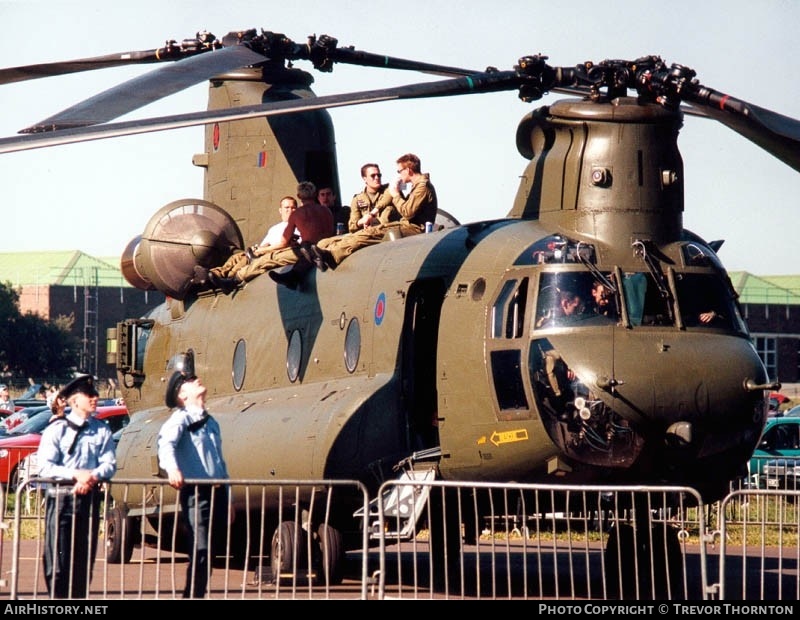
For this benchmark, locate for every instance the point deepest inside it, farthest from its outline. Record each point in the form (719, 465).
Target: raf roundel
(380, 308)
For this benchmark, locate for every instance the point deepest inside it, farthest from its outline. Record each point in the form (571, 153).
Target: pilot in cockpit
(569, 305)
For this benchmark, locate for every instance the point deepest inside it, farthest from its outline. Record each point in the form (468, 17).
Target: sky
(97, 196)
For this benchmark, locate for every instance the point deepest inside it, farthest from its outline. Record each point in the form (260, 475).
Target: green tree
(9, 313)
(31, 346)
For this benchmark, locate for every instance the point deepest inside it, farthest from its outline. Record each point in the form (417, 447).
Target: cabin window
(352, 345)
(294, 355)
(239, 364)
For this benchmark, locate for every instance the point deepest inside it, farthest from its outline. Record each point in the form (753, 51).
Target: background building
(771, 307)
(89, 289)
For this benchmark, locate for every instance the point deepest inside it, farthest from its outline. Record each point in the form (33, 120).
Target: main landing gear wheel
(331, 556)
(288, 554)
(119, 537)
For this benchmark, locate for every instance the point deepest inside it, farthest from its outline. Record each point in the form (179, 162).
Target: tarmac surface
(562, 575)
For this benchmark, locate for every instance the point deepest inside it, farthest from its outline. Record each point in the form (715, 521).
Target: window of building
(767, 348)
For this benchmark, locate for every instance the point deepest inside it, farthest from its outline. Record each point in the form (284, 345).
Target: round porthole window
(239, 364)
(294, 355)
(352, 345)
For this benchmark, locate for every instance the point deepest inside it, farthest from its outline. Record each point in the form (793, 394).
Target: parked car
(793, 412)
(779, 404)
(23, 441)
(782, 474)
(19, 417)
(780, 439)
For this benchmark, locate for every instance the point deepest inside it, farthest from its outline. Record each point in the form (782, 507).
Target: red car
(24, 439)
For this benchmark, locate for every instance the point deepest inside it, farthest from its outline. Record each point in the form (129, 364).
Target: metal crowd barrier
(425, 539)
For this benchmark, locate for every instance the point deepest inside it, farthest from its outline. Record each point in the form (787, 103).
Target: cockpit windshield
(578, 299)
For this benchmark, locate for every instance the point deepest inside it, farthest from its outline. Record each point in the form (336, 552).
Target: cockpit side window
(705, 301)
(508, 312)
(507, 323)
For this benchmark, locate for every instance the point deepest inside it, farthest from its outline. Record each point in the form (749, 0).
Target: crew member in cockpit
(602, 300)
(568, 306)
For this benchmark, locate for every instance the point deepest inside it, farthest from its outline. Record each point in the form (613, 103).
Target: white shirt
(275, 233)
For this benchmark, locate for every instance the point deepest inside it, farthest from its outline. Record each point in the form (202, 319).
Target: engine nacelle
(180, 243)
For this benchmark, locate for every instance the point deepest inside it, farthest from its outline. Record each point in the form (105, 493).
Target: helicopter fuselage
(433, 344)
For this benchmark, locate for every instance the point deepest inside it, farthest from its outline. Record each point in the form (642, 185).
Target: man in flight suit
(416, 208)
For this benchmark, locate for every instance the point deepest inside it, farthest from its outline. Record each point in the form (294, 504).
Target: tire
(13, 479)
(331, 556)
(120, 536)
(288, 547)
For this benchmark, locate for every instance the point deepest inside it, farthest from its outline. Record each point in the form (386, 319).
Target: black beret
(174, 384)
(83, 384)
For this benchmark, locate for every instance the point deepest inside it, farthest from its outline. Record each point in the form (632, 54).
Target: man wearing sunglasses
(373, 205)
(416, 207)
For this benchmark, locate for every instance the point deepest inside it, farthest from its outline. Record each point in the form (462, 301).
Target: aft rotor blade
(480, 83)
(145, 89)
(369, 59)
(777, 134)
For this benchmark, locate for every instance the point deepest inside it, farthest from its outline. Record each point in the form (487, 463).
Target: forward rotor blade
(777, 134)
(150, 87)
(480, 83)
(52, 69)
(203, 41)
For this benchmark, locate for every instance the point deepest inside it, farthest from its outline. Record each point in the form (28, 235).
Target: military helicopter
(477, 350)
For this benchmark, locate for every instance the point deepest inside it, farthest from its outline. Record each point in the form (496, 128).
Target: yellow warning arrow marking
(509, 436)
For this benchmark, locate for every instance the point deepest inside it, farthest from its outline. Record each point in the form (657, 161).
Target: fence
(420, 538)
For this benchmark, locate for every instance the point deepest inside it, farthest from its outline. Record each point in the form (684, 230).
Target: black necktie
(196, 426)
(78, 428)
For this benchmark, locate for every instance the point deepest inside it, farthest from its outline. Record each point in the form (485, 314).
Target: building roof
(777, 290)
(67, 268)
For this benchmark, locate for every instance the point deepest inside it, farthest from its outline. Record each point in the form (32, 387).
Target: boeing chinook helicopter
(454, 350)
